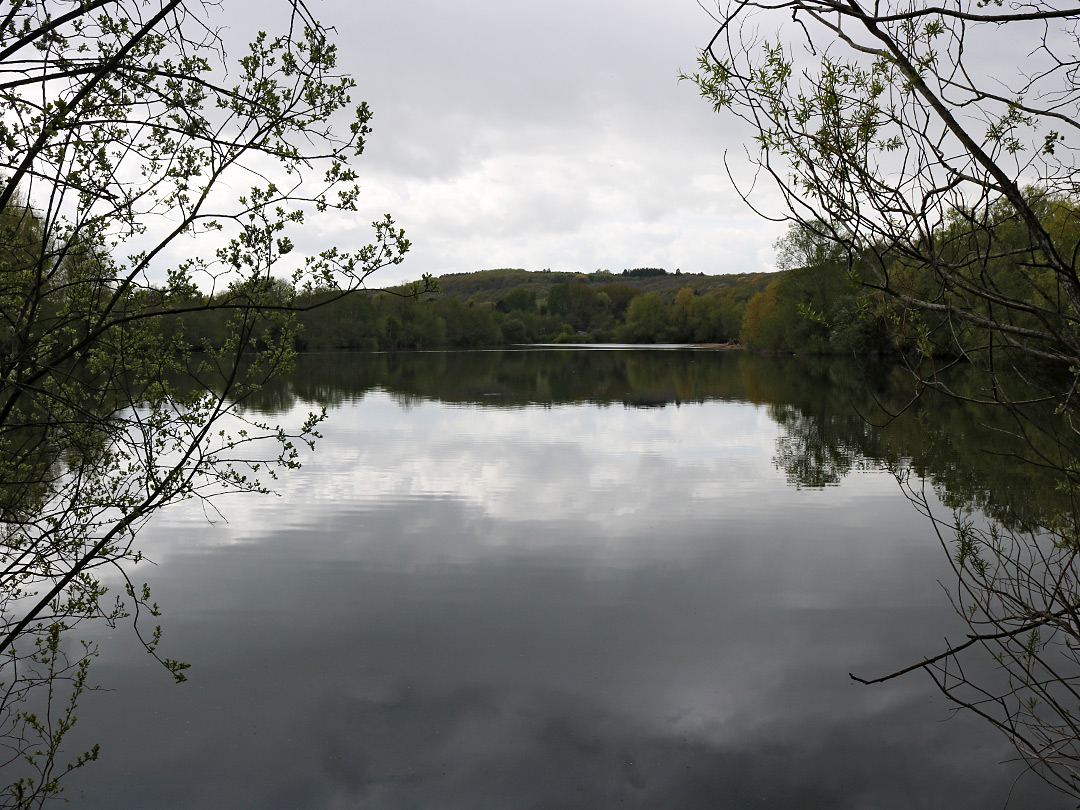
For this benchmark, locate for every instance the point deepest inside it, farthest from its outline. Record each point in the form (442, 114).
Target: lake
(565, 578)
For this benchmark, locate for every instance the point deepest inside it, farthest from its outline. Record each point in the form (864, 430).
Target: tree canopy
(146, 178)
(929, 152)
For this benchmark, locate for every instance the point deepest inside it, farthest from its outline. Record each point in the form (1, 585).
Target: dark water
(565, 579)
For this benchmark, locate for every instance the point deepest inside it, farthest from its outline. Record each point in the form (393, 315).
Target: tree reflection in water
(541, 557)
(1009, 533)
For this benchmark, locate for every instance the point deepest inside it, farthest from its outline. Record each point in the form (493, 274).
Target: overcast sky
(544, 135)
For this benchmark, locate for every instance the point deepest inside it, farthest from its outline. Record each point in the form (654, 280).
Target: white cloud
(711, 462)
(553, 135)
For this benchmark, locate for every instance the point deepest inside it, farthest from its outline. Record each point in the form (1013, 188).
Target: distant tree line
(821, 303)
(785, 312)
(573, 311)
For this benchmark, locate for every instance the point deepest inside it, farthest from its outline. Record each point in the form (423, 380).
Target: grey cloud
(582, 97)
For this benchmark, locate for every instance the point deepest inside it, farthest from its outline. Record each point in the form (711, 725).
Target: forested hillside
(495, 307)
(821, 302)
(502, 307)
(492, 285)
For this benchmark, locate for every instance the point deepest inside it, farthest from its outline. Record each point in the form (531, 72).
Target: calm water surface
(560, 579)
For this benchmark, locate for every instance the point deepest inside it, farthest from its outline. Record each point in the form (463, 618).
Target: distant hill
(489, 286)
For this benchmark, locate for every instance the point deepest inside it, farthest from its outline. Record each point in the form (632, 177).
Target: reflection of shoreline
(546, 374)
(833, 412)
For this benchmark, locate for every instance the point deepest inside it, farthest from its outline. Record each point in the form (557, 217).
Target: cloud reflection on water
(568, 606)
